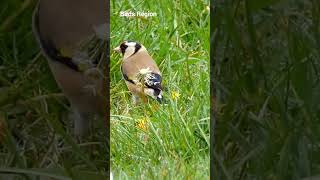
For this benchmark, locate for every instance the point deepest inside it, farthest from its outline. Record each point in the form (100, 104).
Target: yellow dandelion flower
(175, 95)
(142, 124)
(164, 172)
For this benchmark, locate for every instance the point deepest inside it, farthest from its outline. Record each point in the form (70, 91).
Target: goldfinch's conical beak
(117, 49)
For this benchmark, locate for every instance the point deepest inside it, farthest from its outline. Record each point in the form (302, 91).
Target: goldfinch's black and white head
(140, 71)
(129, 48)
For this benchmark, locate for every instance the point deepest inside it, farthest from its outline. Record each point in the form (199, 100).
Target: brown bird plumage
(137, 61)
(60, 26)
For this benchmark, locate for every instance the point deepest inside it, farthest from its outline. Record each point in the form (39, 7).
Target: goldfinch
(61, 28)
(140, 72)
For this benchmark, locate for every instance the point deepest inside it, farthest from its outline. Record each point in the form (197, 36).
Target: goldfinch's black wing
(153, 81)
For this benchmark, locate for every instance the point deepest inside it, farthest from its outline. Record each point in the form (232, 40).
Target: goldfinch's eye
(123, 48)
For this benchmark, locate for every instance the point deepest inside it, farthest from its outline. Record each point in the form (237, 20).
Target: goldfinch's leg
(82, 123)
(135, 99)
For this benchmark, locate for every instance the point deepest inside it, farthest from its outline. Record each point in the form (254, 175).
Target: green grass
(35, 133)
(175, 141)
(267, 89)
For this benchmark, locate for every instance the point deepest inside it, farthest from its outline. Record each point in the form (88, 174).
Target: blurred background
(36, 135)
(266, 83)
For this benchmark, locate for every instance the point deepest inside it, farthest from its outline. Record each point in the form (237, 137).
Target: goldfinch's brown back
(141, 60)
